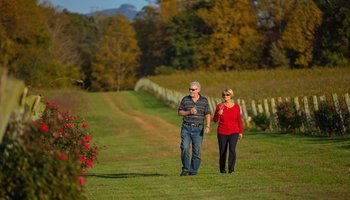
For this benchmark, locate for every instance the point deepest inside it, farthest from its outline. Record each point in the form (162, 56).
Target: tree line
(50, 47)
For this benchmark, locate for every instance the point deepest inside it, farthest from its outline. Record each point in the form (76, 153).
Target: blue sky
(86, 6)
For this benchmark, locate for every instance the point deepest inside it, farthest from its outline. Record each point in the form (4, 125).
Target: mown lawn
(141, 162)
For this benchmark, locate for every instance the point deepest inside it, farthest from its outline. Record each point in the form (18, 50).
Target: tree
(117, 58)
(235, 42)
(185, 31)
(333, 38)
(298, 37)
(150, 38)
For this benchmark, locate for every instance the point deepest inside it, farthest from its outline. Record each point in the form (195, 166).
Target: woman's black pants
(224, 142)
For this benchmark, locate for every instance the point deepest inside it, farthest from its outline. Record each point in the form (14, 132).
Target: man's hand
(207, 129)
(193, 111)
(240, 136)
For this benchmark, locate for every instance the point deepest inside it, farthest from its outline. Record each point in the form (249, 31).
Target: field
(260, 84)
(141, 159)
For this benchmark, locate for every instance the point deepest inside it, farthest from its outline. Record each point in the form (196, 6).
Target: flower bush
(46, 159)
(261, 121)
(328, 120)
(288, 117)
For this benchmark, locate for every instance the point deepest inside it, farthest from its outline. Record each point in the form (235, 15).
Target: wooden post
(36, 103)
(347, 101)
(255, 113)
(307, 113)
(338, 110)
(260, 108)
(314, 100)
(323, 98)
(266, 106)
(245, 114)
(274, 115)
(279, 99)
(3, 78)
(273, 106)
(297, 105)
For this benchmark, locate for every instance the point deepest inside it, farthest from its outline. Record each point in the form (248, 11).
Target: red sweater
(230, 122)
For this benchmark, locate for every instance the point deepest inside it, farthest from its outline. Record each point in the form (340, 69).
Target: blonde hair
(228, 91)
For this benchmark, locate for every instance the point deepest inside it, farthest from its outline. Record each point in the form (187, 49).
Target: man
(195, 109)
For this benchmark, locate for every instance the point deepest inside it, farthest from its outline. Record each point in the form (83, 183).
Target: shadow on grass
(125, 175)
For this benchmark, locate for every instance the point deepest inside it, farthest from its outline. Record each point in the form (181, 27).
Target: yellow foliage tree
(235, 41)
(298, 36)
(117, 59)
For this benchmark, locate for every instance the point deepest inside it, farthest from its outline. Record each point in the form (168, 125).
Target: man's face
(193, 90)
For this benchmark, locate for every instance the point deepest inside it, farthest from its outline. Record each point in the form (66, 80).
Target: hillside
(261, 84)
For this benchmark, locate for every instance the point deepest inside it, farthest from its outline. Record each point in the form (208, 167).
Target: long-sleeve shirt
(230, 122)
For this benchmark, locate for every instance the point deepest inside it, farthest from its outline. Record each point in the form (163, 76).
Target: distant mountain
(128, 10)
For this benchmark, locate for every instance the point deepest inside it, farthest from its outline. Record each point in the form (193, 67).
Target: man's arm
(207, 123)
(184, 113)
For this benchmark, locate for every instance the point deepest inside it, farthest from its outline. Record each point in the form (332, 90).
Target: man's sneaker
(184, 173)
(192, 174)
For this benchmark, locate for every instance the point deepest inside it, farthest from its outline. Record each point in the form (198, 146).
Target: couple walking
(195, 110)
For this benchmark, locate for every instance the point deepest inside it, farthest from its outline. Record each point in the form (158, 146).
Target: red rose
(96, 151)
(82, 158)
(63, 157)
(87, 138)
(88, 164)
(87, 146)
(84, 125)
(67, 125)
(81, 180)
(44, 128)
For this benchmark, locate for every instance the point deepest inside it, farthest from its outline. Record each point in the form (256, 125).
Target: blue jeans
(195, 134)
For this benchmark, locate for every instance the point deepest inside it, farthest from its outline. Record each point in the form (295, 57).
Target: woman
(229, 129)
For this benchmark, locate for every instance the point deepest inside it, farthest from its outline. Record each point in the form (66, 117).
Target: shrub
(261, 121)
(288, 117)
(45, 159)
(328, 120)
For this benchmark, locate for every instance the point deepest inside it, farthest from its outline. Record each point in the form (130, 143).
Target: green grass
(136, 165)
(260, 84)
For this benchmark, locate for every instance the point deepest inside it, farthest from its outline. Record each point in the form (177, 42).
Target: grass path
(142, 158)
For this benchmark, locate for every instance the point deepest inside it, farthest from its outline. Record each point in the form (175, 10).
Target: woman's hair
(228, 91)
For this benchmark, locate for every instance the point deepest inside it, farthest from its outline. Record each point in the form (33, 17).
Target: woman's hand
(220, 111)
(240, 136)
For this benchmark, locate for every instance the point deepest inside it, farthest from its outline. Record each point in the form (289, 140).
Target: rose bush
(46, 159)
(289, 119)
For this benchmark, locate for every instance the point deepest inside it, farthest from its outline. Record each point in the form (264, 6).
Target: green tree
(149, 36)
(299, 35)
(185, 31)
(117, 59)
(332, 47)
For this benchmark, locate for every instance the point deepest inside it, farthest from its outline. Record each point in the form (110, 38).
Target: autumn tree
(117, 58)
(235, 42)
(273, 18)
(298, 36)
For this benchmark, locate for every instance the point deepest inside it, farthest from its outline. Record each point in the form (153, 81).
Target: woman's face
(226, 96)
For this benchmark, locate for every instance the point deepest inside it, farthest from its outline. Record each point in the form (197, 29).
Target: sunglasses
(190, 89)
(226, 95)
